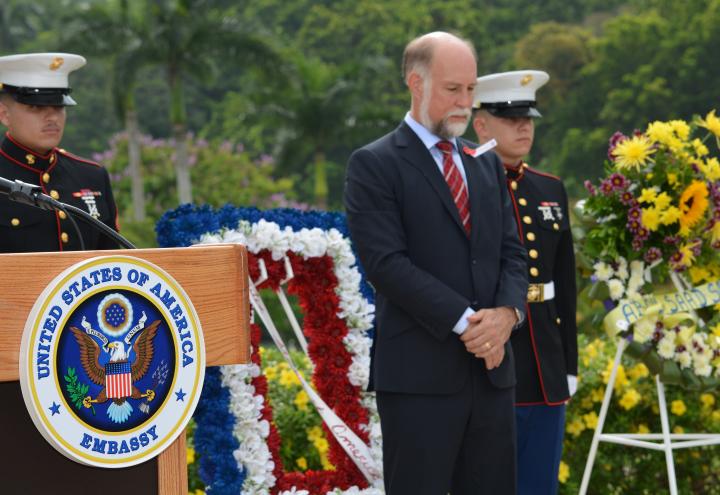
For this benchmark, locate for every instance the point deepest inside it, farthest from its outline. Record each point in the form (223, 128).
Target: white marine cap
(509, 94)
(39, 78)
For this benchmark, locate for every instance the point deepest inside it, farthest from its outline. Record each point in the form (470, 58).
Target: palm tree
(190, 38)
(313, 116)
(115, 31)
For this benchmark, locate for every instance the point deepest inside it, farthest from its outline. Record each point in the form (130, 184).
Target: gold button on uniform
(533, 254)
(522, 201)
(513, 184)
(46, 177)
(557, 320)
(62, 215)
(52, 159)
(30, 159)
(556, 226)
(64, 237)
(530, 236)
(527, 219)
(54, 194)
(534, 272)
(15, 222)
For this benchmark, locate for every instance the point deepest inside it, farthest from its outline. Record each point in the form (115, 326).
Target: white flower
(603, 271)
(637, 269)
(621, 271)
(616, 288)
(643, 330)
(683, 359)
(666, 346)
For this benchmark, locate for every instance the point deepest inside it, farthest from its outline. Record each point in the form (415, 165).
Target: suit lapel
(413, 151)
(476, 187)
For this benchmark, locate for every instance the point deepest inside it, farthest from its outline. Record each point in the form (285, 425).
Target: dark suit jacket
(426, 271)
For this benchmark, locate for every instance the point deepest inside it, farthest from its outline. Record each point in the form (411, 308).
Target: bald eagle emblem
(126, 362)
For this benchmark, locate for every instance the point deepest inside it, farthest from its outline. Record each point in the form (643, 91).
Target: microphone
(32, 195)
(28, 194)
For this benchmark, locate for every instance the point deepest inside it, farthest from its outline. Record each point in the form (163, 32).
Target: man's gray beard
(443, 128)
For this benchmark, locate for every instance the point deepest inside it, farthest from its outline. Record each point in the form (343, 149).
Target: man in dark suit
(545, 347)
(434, 229)
(34, 93)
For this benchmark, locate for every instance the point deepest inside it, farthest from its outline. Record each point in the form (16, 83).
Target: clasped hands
(487, 331)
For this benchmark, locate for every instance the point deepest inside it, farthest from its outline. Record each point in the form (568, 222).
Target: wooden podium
(214, 277)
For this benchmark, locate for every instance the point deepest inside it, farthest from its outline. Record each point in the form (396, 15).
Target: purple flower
(618, 181)
(637, 244)
(633, 226)
(627, 198)
(635, 213)
(590, 188)
(653, 254)
(671, 239)
(615, 139)
(606, 187)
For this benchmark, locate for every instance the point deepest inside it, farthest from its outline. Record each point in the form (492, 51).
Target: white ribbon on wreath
(253, 454)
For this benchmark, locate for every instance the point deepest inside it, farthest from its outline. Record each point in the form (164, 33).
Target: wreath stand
(665, 441)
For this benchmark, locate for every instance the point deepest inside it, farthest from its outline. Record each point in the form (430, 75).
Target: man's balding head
(419, 53)
(440, 69)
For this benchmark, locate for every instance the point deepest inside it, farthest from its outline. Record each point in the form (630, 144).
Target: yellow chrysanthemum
(648, 195)
(288, 379)
(633, 153)
(678, 407)
(575, 427)
(679, 430)
(651, 218)
(301, 400)
(716, 330)
(670, 215)
(672, 179)
(708, 400)
(699, 147)
(710, 169)
(662, 201)
(630, 399)
(699, 274)
(190, 455)
(563, 472)
(638, 371)
(597, 394)
(688, 256)
(681, 128)
(620, 376)
(716, 416)
(271, 373)
(642, 428)
(591, 420)
(693, 204)
(301, 463)
(711, 123)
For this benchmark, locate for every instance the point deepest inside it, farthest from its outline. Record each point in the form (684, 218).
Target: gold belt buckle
(536, 293)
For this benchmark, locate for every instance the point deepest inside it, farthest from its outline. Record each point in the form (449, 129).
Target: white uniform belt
(541, 292)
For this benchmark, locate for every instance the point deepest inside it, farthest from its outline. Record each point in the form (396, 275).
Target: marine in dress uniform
(34, 92)
(545, 348)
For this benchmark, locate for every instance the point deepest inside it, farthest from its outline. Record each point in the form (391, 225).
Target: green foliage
(303, 445)
(77, 390)
(222, 171)
(620, 469)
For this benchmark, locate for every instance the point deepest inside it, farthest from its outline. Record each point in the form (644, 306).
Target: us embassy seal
(112, 361)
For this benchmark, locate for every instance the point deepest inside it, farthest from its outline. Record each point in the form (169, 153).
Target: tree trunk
(137, 186)
(178, 117)
(182, 164)
(321, 184)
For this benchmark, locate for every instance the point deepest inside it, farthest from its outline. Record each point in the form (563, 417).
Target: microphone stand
(32, 195)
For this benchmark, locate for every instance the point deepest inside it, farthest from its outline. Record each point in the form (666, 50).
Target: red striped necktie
(455, 182)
